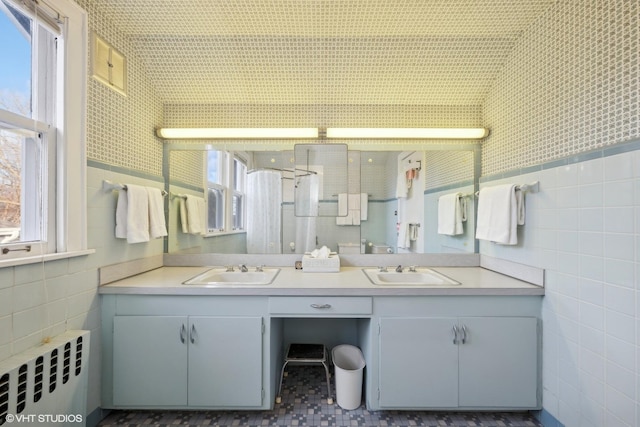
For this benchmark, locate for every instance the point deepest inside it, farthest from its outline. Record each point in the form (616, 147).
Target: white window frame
(226, 186)
(66, 180)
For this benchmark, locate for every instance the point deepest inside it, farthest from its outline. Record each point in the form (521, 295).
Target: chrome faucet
(243, 268)
(399, 269)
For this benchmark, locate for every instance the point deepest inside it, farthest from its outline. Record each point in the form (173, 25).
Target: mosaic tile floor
(304, 403)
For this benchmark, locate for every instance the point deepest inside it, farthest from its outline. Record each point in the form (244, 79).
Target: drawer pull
(321, 306)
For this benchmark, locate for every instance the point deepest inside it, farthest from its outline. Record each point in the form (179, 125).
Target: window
(37, 135)
(226, 188)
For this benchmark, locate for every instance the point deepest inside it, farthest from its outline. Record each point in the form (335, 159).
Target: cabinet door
(499, 362)
(225, 361)
(149, 361)
(418, 363)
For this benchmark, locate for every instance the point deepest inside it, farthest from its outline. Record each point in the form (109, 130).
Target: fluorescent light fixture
(235, 133)
(414, 133)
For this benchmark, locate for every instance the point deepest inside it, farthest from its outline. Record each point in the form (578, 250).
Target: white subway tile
(28, 296)
(591, 291)
(567, 175)
(6, 330)
(28, 322)
(618, 193)
(568, 197)
(620, 326)
(592, 267)
(591, 243)
(592, 377)
(592, 315)
(621, 299)
(619, 272)
(591, 171)
(618, 167)
(591, 196)
(568, 241)
(568, 219)
(619, 246)
(591, 219)
(6, 301)
(592, 339)
(621, 352)
(619, 406)
(619, 220)
(623, 380)
(6, 277)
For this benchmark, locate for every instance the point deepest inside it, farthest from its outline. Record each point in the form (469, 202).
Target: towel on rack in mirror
(352, 208)
(404, 241)
(451, 214)
(192, 215)
(500, 211)
(132, 214)
(157, 225)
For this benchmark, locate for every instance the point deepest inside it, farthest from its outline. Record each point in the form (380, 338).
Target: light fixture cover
(235, 133)
(415, 133)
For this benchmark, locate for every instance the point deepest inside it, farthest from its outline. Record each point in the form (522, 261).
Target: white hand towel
(450, 214)
(343, 204)
(194, 215)
(403, 236)
(121, 215)
(498, 214)
(364, 206)
(414, 230)
(137, 214)
(157, 225)
(184, 218)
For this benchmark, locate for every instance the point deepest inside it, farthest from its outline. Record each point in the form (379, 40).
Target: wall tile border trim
(623, 147)
(125, 171)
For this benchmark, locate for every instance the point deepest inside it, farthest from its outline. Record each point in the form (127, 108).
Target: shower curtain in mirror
(306, 211)
(264, 200)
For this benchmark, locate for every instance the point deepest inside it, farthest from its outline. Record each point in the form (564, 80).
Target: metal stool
(306, 353)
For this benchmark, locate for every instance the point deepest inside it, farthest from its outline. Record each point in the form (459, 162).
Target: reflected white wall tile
(620, 326)
(619, 272)
(591, 195)
(591, 219)
(618, 193)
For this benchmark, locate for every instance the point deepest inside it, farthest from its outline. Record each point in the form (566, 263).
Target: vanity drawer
(320, 306)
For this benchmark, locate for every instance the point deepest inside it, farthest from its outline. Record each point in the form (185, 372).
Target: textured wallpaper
(571, 85)
(120, 129)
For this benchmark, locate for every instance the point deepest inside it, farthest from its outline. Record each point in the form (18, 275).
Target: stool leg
(279, 397)
(326, 369)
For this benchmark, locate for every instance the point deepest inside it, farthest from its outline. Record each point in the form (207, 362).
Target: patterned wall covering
(120, 129)
(187, 167)
(447, 167)
(324, 51)
(571, 85)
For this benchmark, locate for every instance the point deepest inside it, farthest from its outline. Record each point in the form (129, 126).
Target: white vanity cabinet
(184, 361)
(481, 361)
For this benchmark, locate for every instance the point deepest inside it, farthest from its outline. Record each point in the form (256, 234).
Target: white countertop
(350, 281)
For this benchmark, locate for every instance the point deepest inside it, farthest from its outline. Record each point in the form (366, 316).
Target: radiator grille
(30, 385)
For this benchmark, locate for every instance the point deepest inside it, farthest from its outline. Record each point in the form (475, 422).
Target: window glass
(16, 53)
(215, 209)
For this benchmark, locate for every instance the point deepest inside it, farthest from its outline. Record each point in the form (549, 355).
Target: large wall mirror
(295, 199)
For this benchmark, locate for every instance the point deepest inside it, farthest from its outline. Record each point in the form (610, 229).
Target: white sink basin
(421, 277)
(219, 276)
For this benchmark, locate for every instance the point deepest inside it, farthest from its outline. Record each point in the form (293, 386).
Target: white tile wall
(591, 308)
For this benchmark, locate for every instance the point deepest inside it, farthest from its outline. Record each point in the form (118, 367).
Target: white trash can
(349, 363)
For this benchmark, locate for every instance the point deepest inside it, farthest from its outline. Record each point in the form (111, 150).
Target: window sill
(224, 233)
(43, 258)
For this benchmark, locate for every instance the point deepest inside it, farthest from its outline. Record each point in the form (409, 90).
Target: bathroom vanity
(473, 345)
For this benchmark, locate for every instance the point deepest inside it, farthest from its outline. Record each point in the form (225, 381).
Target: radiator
(46, 385)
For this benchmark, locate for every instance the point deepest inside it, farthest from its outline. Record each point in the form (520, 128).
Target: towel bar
(110, 186)
(534, 187)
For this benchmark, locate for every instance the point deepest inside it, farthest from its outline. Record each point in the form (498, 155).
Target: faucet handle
(229, 268)
(382, 269)
(412, 269)
(259, 267)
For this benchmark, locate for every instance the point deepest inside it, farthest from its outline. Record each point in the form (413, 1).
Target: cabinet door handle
(183, 331)
(192, 335)
(321, 306)
(455, 334)
(464, 334)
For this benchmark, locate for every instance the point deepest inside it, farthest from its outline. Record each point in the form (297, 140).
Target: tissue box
(321, 265)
